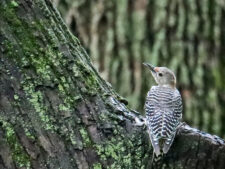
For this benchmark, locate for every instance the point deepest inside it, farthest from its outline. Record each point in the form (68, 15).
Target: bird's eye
(160, 74)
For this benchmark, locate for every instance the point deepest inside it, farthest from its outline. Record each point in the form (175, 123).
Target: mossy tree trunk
(186, 36)
(57, 112)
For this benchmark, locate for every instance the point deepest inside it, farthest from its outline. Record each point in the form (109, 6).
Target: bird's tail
(157, 161)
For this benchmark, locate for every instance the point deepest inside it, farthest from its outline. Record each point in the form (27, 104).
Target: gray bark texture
(57, 112)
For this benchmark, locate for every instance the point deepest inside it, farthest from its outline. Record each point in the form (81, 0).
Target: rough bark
(186, 36)
(193, 148)
(57, 112)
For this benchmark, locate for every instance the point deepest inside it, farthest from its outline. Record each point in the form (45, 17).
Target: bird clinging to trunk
(163, 109)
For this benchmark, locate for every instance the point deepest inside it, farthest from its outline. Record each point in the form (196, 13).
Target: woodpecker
(163, 109)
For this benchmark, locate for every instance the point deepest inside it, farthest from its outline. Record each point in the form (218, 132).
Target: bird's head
(162, 75)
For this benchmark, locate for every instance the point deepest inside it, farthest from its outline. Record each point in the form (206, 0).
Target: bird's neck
(173, 86)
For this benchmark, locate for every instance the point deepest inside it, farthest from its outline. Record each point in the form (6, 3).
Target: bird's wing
(163, 113)
(173, 120)
(153, 121)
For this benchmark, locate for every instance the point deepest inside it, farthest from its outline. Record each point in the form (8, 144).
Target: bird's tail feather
(167, 144)
(156, 161)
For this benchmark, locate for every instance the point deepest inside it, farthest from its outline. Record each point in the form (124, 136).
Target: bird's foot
(181, 124)
(140, 121)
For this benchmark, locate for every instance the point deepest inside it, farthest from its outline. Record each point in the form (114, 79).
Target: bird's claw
(181, 124)
(138, 122)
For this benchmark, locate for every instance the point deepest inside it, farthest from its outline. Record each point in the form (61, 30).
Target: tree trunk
(57, 112)
(186, 36)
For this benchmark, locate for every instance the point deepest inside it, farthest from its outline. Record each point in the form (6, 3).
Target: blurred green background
(188, 36)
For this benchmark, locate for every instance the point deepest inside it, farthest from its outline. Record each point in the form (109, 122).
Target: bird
(163, 108)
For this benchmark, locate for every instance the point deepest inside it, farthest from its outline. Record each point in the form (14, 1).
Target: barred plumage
(163, 114)
(163, 109)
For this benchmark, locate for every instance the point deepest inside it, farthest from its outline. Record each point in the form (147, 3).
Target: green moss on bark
(19, 155)
(85, 137)
(120, 150)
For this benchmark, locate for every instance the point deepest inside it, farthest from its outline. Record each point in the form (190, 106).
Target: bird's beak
(151, 67)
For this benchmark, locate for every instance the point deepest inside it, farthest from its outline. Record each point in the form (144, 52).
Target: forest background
(186, 36)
